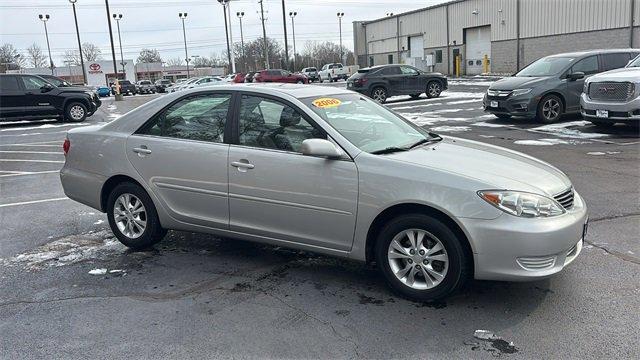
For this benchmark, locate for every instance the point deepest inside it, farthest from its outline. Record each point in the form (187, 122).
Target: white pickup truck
(334, 72)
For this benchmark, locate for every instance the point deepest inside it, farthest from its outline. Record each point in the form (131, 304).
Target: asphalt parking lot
(68, 289)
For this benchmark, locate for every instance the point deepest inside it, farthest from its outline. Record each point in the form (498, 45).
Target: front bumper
(617, 111)
(511, 248)
(523, 105)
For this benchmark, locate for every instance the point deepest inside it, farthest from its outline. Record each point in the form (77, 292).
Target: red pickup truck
(281, 76)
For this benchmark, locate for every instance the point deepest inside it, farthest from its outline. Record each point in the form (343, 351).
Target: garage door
(417, 47)
(478, 43)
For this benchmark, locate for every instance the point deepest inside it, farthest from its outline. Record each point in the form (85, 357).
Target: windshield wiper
(435, 138)
(389, 150)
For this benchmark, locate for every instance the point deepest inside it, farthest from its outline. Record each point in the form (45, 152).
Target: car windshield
(366, 124)
(635, 62)
(548, 66)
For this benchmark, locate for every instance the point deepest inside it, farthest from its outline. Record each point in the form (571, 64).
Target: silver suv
(613, 96)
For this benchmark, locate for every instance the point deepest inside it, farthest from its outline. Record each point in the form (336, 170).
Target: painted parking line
(27, 160)
(33, 202)
(33, 134)
(40, 143)
(25, 173)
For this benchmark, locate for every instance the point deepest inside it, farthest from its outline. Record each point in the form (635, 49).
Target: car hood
(518, 82)
(623, 74)
(497, 167)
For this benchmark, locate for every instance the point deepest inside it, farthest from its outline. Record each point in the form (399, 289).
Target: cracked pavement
(197, 296)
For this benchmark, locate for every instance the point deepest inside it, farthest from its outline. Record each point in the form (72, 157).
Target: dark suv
(59, 82)
(551, 86)
(380, 82)
(30, 97)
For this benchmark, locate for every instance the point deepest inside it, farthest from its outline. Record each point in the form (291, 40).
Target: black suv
(30, 97)
(380, 82)
(59, 82)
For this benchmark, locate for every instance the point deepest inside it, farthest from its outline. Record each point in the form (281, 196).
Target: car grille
(611, 91)
(498, 93)
(565, 199)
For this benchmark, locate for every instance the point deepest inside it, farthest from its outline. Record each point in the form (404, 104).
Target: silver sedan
(330, 171)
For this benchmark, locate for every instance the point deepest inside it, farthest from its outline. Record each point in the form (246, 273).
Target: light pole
(75, 17)
(293, 14)
(44, 19)
(117, 18)
(240, 14)
(226, 31)
(184, 34)
(340, 15)
(286, 45)
(264, 37)
(113, 48)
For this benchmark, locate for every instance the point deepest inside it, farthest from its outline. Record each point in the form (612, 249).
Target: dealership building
(495, 36)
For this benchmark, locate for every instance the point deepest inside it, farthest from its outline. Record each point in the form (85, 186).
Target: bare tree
(36, 57)
(10, 57)
(174, 61)
(149, 56)
(90, 52)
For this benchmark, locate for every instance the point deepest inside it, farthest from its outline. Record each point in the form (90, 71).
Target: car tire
(434, 89)
(443, 260)
(137, 225)
(299, 82)
(415, 96)
(75, 112)
(502, 116)
(379, 94)
(550, 109)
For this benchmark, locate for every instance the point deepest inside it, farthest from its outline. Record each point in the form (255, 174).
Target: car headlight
(522, 204)
(518, 92)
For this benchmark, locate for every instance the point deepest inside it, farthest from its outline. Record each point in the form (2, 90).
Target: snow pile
(564, 130)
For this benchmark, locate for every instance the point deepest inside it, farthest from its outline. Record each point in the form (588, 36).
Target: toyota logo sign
(94, 68)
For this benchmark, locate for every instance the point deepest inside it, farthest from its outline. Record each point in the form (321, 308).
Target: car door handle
(242, 165)
(142, 150)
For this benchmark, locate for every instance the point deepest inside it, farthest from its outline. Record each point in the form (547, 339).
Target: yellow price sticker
(326, 103)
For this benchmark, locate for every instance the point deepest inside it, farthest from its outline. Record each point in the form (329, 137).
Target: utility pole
(226, 32)
(117, 18)
(340, 15)
(240, 14)
(75, 17)
(113, 48)
(233, 57)
(264, 36)
(44, 19)
(286, 45)
(184, 35)
(293, 30)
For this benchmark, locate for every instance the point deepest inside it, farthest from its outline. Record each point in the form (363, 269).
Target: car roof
(298, 91)
(593, 52)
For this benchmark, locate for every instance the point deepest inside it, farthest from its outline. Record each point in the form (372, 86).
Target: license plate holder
(493, 104)
(602, 113)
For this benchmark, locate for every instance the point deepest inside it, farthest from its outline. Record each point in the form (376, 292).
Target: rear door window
(391, 70)
(200, 117)
(32, 82)
(9, 83)
(614, 61)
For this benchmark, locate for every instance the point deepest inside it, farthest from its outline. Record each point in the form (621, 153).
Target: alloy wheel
(551, 109)
(130, 215)
(434, 89)
(76, 112)
(418, 259)
(379, 95)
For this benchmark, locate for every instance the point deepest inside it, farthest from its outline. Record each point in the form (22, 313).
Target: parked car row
(567, 83)
(33, 97)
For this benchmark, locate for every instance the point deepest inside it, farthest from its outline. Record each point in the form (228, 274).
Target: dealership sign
(95, 69)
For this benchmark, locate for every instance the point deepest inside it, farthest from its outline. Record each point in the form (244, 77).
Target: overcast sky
(155, 23)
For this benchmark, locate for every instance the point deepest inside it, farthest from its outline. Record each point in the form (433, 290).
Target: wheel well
(85, 102)
(379, 85)
(401, 209)
(110, 184)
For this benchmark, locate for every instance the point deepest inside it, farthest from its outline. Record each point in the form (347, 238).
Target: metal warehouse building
(511, 33)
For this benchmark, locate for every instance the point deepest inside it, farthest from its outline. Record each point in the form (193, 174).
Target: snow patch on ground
(564, 130)
(101, 271)
(491, 125)
(550, 141)
(98, 222)
(470, 83)
(69, 250)
(446, 128)
(600, 153)
(44, 126)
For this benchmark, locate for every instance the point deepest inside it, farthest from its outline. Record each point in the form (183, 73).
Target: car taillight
(66, 146)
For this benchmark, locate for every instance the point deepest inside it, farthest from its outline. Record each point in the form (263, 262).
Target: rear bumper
(82, 186)
(510, 248)
(617, 111)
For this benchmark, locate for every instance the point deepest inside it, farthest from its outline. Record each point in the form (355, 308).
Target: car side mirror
(575, 76)
(320, 148)
(46, 88)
